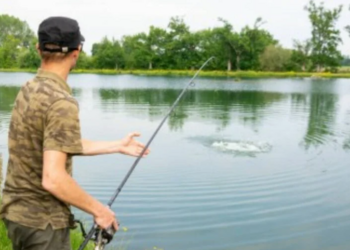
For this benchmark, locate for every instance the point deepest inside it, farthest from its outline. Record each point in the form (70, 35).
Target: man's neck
(58, 69)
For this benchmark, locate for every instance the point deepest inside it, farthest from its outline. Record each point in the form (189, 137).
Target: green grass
(5, 243)
(344, 72)
(77, 238)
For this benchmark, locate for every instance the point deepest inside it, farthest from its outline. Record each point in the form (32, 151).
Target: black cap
(61, 31)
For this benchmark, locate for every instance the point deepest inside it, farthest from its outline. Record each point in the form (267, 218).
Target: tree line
(176, 47)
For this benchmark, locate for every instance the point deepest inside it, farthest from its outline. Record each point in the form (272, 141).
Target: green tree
(9, 51)
(300, 59)
(194, 56)
(227, 40)
(255, 41)
(20, 30)
(133, 50)
(108, 54)
(29, 58)
(176, 49)
(325, 36)
(152, 45)
(275, 58)
(210, 45)
(84, 61)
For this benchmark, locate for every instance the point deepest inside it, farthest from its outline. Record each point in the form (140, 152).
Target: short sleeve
(62, 127)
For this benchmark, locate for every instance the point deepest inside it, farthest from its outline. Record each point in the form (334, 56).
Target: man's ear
(76, 54)
(38, 49)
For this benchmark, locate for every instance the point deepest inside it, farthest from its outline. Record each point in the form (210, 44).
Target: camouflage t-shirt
(45, 117)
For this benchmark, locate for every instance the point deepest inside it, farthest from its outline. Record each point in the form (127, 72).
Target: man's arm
(62, 137)
(91, 148)
(127, 145)
(60, 184)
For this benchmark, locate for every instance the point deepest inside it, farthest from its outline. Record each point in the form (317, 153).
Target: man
(44, 135)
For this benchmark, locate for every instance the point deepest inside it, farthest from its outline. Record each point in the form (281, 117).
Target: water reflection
(321, 119)
(223, 107)
(211, 105)
(7, 96)
(346, 145)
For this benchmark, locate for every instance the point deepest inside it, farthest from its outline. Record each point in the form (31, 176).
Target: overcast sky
(286, 19)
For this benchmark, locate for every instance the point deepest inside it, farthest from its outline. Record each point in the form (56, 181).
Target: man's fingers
(143, 148)
(134, 134)
(139, 151)
(141, 145)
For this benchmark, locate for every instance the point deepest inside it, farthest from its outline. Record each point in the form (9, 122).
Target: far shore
(227, 74)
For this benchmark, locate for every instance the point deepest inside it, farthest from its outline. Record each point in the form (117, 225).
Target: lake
(249, 165)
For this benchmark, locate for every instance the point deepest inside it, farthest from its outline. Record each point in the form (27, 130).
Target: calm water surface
(250, 165)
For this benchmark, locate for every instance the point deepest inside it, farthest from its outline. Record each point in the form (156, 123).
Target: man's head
(60, 41)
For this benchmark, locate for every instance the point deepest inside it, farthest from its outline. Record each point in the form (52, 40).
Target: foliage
(76, 239)
(325, 36)
(29, 58)
(84, 61)
(255, 40)
(107, 54)
(275, 58)
(176, 47)
(300, 58)
(8, 52)
(14, 27)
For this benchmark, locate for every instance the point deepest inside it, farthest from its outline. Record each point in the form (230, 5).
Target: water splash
(242, 147)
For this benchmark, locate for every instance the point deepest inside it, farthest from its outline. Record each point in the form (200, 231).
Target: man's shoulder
(48, 92)
(65, 107)
(51, 87)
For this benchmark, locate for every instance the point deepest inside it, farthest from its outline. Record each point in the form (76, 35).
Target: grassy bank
(344, 73)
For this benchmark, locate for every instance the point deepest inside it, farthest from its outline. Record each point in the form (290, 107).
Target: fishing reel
(101, 237)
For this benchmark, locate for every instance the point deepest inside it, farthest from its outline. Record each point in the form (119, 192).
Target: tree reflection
(322, 113)
(222, 107)
(8, 95)
(76, 92)
(346, 145)
(218, 105)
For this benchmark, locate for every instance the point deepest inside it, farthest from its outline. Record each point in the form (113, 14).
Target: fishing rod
(103, 237)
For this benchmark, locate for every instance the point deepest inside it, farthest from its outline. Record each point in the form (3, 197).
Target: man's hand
(106, 218)
(129, 146)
